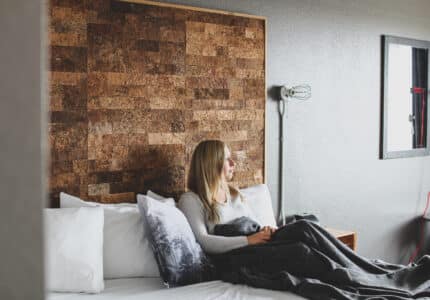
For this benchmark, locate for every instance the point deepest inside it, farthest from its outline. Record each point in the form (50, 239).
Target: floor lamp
(300, 92)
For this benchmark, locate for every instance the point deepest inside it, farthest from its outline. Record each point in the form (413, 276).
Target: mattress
(154, 289)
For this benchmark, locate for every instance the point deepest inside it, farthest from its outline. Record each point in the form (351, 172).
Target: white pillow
(160, 198)
(259, 200)
(74, 249)
(126, 250)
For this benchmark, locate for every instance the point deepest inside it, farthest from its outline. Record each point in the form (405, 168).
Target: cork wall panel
(134, 88)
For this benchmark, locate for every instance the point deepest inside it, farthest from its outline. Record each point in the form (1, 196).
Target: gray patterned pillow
(180, 258)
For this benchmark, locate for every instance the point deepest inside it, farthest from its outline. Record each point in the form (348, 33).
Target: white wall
(21, 258)
(332, 161)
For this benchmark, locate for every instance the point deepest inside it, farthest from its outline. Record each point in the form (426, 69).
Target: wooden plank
(194, 8)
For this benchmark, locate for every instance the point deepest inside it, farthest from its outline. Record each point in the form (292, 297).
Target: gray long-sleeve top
(192, 207)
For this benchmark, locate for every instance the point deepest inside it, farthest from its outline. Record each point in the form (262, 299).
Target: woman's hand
(271, 229)
(260, 237)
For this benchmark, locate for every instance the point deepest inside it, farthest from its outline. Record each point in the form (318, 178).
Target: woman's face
(228, 168)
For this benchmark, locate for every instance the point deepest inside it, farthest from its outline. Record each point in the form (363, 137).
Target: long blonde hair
(205, 175)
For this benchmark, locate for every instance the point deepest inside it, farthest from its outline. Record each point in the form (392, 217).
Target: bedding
(237, 227)
(126, 249)
(180, 258)
(74, 249)
(304, 258)
(260, 202)
(154, 289)
(160, 198)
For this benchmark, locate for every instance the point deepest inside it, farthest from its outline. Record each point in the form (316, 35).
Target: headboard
(135, 86)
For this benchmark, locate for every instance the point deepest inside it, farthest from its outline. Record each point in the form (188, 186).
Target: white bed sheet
(154, 289)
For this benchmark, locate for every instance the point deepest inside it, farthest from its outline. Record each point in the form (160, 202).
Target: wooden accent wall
(134, 88)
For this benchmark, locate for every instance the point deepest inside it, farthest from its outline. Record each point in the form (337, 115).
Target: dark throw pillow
(236, 227)
(179, 257)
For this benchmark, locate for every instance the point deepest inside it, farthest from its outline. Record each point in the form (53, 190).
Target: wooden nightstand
(349, 238)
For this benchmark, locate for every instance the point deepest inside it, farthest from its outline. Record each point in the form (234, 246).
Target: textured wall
(133, 89)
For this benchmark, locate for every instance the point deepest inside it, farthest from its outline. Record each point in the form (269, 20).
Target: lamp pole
(300, 92)
(281, 108)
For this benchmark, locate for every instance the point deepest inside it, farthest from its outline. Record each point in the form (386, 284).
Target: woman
(301, 257)
(212, 201)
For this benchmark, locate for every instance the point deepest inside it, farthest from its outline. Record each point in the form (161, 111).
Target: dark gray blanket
(304, 258)
(239, 226)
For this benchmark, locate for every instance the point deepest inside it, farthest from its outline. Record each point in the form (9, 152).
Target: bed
(153, 288)
(127, 256)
